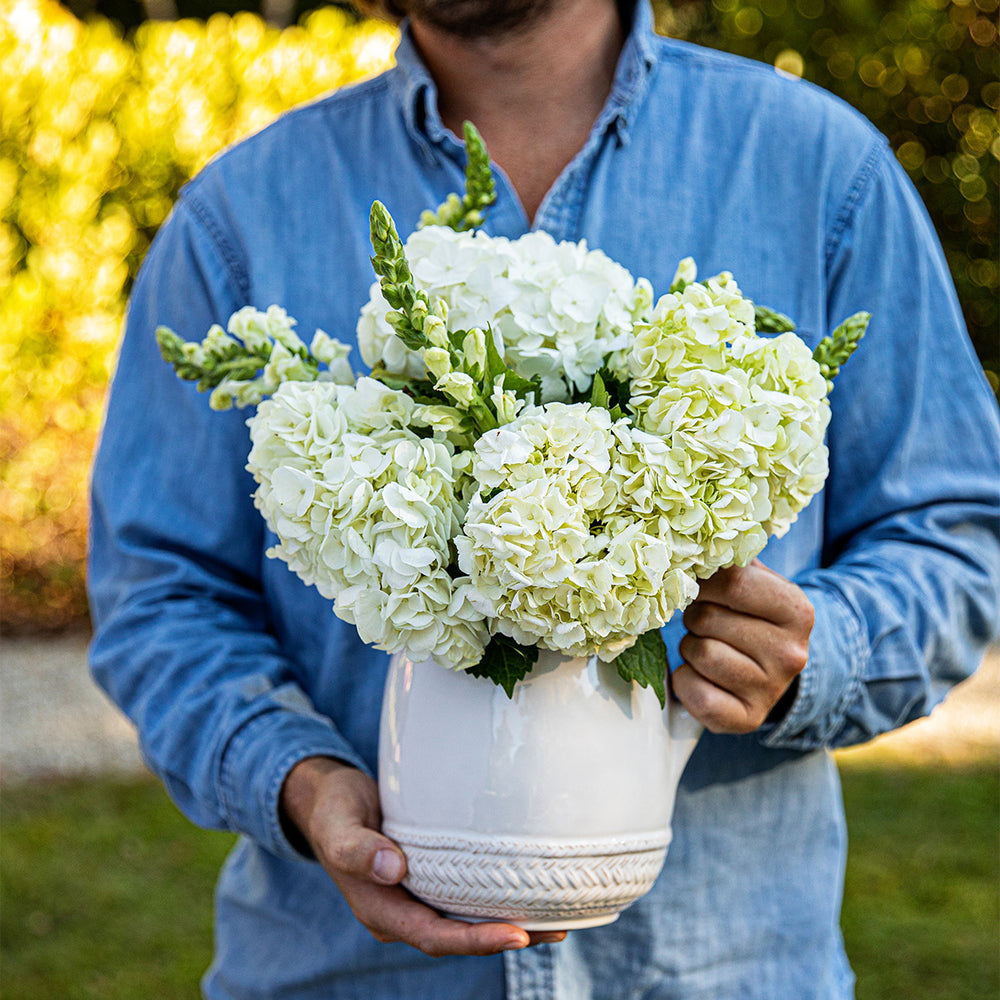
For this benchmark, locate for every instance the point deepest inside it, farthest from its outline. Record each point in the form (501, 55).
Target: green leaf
(599, 393)
(496, 366)
(610, 392)
(505, 662)
(646, 664)
(419, 388)
(520, 385)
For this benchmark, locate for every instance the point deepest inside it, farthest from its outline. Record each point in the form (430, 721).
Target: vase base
(554, 924)
(553, 883)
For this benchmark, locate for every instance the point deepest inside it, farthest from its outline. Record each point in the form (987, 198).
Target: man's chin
(478, 18)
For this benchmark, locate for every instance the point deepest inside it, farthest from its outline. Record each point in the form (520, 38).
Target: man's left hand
(747, 640)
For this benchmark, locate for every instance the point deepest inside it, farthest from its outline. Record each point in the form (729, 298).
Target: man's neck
(534, 95)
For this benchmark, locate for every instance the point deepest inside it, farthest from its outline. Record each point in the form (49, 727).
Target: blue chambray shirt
(233, 670)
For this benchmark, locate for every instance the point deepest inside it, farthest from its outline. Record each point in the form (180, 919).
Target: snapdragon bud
(250, 326)
(334, 355)
(418, 313)
(286, 366)
(642, 298)
(441, 418)
(281, 328)
(218, 343)
(436, 331)
(458, 386)
(474, 349)
(221, 397)
(687, 272)
(437, 361)
(193, 354)
(505, 402)
(170, 344)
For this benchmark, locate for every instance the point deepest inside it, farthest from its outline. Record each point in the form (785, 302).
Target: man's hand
(336, 809)
(747, 640)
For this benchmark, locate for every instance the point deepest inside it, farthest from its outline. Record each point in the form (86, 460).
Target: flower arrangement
(541, 456)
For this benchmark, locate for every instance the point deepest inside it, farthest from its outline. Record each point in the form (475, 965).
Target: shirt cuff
(256, 762)
(830, 680)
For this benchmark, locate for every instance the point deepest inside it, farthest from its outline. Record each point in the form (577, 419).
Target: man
(259, 709)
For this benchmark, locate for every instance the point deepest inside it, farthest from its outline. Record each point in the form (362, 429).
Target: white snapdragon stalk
(334, 354)
(557, 310)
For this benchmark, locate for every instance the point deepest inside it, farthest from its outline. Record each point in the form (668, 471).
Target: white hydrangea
(557, 552)
(558, 309)
(742, 417)
(365, 510)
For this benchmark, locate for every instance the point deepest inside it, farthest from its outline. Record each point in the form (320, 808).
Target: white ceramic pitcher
(548, 810)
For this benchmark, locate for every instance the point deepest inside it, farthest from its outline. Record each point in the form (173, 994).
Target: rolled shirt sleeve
(907, 595)
(183, 640)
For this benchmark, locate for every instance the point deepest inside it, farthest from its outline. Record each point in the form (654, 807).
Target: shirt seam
(224, 777)
(227, 771)
(856, 190)
(235, 271)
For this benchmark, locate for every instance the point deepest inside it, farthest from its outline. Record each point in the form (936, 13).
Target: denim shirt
(233, 670)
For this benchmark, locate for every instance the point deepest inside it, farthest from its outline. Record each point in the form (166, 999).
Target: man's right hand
(335, 808)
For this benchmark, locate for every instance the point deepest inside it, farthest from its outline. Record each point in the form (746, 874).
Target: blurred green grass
(106, 889)
(921, 905)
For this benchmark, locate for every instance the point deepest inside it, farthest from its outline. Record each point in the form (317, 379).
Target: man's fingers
(392, 914)
(760, 642)
(336, 809)
(717, 709)
(720, 663)
(759, 592)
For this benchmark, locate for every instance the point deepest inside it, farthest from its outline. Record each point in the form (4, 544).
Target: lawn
(106, 889)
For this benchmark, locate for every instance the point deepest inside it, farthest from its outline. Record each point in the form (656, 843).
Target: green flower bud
(436, 331)
(686, 273)
(474, 349)
(437, 361)
(457, 386)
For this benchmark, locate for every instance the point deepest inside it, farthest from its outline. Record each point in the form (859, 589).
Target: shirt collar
(417, 94)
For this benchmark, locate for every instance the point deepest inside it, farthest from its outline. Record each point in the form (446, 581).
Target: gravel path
(55, 722)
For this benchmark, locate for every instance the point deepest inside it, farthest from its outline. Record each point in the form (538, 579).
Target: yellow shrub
(97, 134)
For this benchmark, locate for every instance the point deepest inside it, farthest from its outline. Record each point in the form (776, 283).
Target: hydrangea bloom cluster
(540, 457)
(558, 310)
(561, 543)
(742, 418)
(365, 511)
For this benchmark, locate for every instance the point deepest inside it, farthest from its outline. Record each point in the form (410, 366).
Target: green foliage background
(107, 889)
(99, 128)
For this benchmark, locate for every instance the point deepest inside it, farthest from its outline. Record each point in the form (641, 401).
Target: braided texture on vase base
(535, 883)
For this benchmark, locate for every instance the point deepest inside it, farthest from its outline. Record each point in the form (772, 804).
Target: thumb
(388, 865)
(336, 807)
(363, 853)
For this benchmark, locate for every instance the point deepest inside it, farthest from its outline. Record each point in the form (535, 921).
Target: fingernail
(550, 937)
(387, 866)
(513, 943)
